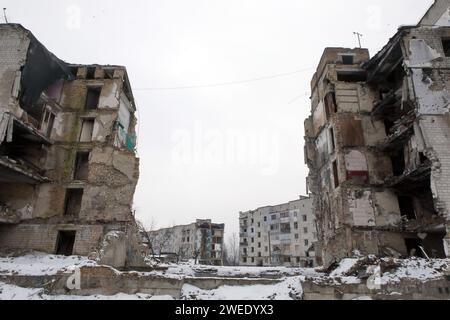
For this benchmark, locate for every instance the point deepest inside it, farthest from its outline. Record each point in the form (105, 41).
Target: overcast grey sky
(210, 152)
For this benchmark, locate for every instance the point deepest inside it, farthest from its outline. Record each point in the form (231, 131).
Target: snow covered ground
(11, 292)
(289, 287)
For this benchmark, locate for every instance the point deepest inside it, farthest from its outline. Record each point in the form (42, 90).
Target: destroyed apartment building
(68, 167)
(202, 241)
(280, 235)
(378, 145)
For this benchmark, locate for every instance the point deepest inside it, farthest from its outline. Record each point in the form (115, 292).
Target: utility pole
(4, 15)
(359, 35)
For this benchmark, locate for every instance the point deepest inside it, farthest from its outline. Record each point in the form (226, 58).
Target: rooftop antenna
(359, 35)
(4, 15)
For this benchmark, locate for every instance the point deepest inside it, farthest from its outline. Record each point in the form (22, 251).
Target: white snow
(37, 263)
(416, 268)
(11, 292)
(344, 267)
(246, 272)
(288, 289)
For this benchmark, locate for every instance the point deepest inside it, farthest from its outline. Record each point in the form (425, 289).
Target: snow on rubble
(288, 289)
(279, 283)
(11, 292)
(37, 263)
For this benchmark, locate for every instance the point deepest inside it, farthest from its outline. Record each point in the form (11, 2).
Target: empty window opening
(352, 76)
(81, 166)
(330, 104)
(446, 46)
(348, 59)
(48, 122)
(407, 207)
(87, 130)
(93, 97)
(74, 71)
(388, 124)
(333, 142)
(335, 174)
(414, 247)
(398, 163)
(74, 198)
(90, 74)
(65, 242)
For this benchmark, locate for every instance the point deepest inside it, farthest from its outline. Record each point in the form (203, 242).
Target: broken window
(47, 124)
(446, 46)
(305, 218)
(330, 104)
(81, 166)
(90, 74)
(87, 130)
(335, 174)
(65, 242)
(407, 207)
(74, 71)
(93, 97)
(414, 247)
(348, 59)
(306, 242)
(333, 143)
(352, 76)
(305, 230)
(296, 225)
(73, 202)
(398, 162)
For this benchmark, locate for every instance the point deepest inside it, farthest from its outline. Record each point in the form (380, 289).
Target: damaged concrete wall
(85, 125)
(384, 185)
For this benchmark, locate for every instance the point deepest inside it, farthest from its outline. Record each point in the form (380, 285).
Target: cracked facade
(378, 145)
(201, 240)
(68, 168)
(281, 235)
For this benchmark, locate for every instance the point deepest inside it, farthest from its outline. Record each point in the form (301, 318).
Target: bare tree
(231, 250)
(144, 233)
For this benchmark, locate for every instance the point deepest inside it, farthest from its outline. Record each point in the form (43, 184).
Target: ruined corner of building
(377, 145)
(68, 164)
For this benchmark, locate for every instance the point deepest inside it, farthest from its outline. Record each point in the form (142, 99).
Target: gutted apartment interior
(377, 145)
(68, 168)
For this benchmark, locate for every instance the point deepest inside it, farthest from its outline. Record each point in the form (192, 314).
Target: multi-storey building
(202, 241)
(278, 235)
(68, 168)
(378, 145)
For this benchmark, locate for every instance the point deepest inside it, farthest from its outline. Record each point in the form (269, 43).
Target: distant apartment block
(202, 241)
(281, 235)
